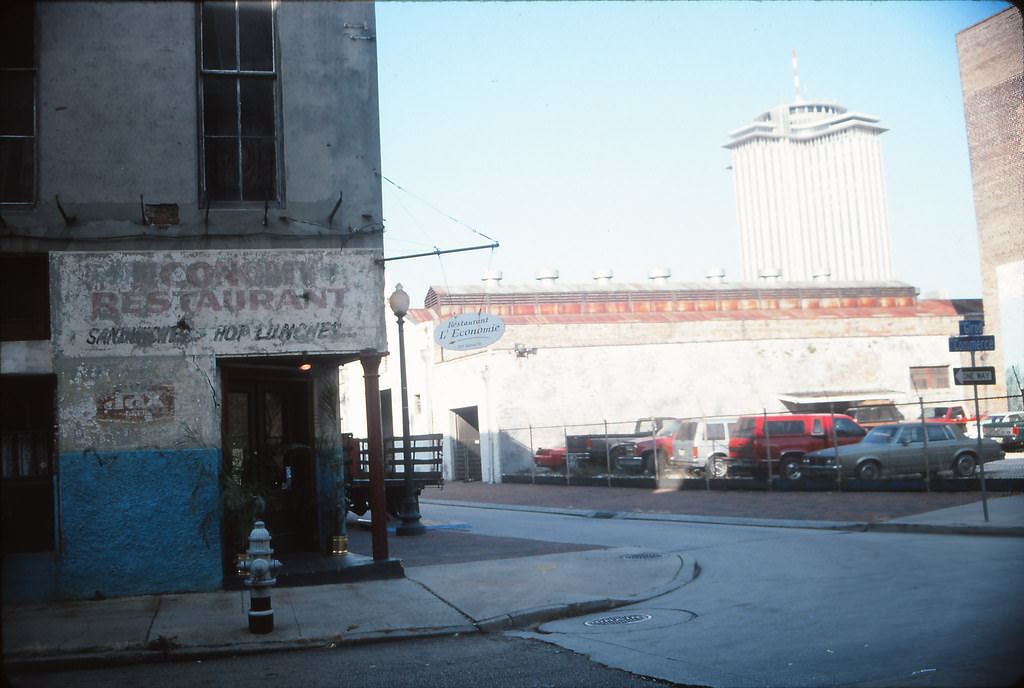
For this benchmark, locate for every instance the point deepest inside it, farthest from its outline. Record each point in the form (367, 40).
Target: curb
(687, 572)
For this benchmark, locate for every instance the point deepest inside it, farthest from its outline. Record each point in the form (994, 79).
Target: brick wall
(991, 55)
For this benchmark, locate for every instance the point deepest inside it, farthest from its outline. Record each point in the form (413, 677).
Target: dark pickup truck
(1008, 430)
(601, 448)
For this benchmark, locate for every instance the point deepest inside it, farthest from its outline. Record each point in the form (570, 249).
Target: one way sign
(984, 375)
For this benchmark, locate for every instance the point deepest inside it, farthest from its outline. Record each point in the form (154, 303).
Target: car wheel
(653, 462)
(718, 469)
(789, 468)
(965, 464)
(869, 470)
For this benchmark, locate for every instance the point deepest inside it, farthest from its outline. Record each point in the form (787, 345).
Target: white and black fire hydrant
(262, 569)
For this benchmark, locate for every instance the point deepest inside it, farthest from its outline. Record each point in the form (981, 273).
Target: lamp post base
(411, 523)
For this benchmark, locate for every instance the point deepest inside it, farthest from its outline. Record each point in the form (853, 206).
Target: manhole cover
(643, 555)
(618, 620)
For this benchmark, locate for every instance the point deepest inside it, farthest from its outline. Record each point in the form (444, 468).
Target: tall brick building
(991, 55)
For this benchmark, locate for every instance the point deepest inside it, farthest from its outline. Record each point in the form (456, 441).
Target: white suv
(700, 443)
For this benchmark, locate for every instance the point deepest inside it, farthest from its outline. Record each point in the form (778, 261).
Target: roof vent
(603, 275)
(770, 274)
(546, 275)
(491, 279)
(659, 275)
(715, 274)
(822, 274)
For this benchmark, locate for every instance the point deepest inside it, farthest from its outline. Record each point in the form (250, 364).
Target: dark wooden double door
(269, 467)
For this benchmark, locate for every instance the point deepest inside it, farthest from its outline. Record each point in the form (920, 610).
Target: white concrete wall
(584, 375)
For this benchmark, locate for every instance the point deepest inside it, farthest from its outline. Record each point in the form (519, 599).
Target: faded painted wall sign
(226, 302)
(154, 403)
(467, 331)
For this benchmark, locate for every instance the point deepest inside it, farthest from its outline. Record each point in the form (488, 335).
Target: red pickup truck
(774, 444)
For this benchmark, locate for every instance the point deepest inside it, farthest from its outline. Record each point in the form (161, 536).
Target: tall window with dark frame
(18, 98)
(238, 65)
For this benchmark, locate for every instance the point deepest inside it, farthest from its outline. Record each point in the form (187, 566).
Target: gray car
(900, 448)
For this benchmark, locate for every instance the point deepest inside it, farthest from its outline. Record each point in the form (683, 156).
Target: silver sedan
(900, 448)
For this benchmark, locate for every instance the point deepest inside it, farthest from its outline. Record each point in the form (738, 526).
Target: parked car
(601, 447)
(550, 458)
(945, 414)
(684, 444)
(1007, 429)
(871, 415)
(971, 429)
(899, 448)
(774, 444)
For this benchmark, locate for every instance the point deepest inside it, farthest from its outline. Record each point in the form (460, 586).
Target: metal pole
(927, 456)
(411, 523)
(981, 462)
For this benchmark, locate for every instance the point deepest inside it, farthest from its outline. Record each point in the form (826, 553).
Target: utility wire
(435, 209)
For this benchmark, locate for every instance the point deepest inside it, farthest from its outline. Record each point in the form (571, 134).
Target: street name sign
(984, 375)
(972, 327)
(983, 342)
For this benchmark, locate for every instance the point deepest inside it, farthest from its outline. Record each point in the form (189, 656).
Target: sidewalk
(480, 587)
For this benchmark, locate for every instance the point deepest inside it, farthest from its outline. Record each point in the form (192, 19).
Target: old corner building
(187, 216)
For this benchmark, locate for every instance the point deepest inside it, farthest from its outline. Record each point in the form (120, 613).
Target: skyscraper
(810, 194)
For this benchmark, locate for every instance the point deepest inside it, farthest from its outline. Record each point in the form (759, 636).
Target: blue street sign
(972, 327)
(985, 342)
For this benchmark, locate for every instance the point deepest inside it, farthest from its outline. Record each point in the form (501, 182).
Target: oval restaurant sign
(467, 331)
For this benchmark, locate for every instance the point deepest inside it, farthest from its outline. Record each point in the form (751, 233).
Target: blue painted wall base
(134, 522)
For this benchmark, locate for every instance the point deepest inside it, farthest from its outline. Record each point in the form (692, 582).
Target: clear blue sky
(584, 135)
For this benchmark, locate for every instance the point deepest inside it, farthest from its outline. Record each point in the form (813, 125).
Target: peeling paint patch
(137, 406)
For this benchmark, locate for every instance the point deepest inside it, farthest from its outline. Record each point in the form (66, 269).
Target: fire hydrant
(262, 569)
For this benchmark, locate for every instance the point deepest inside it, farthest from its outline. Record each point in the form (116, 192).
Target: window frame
(30, 507)
(33, 138)
(239, 75)
(929, 377)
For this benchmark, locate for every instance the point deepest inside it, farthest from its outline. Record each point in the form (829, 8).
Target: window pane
(219, 35)
(17, 170)
(257, 107)
(16, 93)
(257, 44)
(220, 106)
(221, 157)
(17, 34)
(259, 164)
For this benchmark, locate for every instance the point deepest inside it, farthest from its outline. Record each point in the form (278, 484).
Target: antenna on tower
(796, 77)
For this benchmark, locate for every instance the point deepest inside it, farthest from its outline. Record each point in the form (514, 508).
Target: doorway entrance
(466, 461)
(269, 458)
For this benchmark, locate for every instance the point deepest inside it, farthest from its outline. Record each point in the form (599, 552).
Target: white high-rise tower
(810, 194)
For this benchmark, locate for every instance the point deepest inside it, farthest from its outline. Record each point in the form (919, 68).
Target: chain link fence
(612, 452)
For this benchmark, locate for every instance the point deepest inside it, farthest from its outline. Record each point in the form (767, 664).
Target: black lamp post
(411, 524)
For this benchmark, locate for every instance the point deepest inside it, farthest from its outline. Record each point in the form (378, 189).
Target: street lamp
(411, 524)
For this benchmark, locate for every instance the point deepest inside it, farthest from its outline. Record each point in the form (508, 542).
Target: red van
(770, 445)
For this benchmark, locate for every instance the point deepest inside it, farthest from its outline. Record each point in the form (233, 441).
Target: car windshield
(669, 428)
(744, 428)
(687, 431)
(883, 434)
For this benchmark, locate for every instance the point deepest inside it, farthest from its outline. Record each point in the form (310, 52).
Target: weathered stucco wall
(217, 302)
(119, 122)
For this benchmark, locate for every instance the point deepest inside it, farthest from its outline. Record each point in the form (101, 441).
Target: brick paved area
(815, 506)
